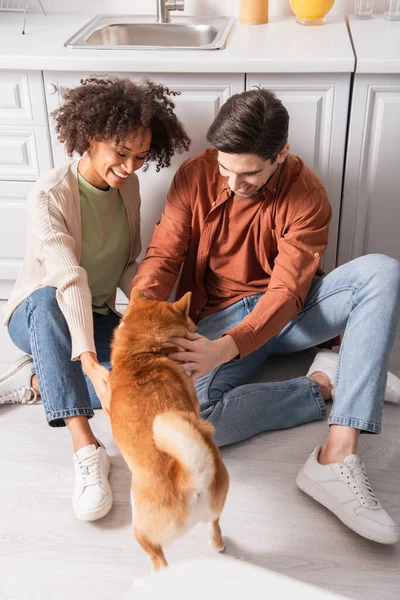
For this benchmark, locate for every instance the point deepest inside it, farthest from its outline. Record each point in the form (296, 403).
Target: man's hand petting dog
(201, 355)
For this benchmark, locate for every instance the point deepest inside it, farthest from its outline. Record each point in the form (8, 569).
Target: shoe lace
(359, 476)
(24, 395)
(90, 470)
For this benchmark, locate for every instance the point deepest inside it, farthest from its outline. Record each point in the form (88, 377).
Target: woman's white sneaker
(92, 498)
(15, 383)
(326, 362)
(344, 489)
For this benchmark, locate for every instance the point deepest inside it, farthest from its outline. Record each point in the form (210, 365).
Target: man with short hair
(246, 225)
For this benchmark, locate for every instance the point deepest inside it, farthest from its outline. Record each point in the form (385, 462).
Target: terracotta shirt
(285, 240)
(227, 276)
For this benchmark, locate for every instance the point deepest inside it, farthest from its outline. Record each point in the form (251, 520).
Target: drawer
(24, 153)
(13, 195)
(22, 98)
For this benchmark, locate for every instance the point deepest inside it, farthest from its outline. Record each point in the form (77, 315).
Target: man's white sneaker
(326, 362)
(344, 489)
(15, 383)
(92, 497)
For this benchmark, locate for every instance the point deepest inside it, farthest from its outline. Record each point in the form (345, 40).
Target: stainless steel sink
(125, 32)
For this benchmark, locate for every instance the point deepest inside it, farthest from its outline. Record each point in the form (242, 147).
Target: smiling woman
(83, 241)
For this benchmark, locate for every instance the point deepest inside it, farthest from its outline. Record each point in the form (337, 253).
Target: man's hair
(104, 108)
(253, 122)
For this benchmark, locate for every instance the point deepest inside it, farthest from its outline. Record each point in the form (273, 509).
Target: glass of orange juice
(311, 12)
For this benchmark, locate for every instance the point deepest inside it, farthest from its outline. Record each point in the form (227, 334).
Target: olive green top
(105, 241)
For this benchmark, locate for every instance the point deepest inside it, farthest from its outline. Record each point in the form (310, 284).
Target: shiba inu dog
(178, 477)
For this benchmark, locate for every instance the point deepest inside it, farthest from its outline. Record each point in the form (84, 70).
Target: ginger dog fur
(178, 477)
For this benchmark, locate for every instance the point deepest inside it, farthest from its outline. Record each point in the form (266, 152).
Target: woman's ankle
(35, 384)
(80, 431)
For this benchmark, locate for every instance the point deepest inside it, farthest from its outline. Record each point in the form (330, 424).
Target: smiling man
(246, 224)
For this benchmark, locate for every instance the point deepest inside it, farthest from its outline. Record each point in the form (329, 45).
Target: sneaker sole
(15, 367)
(312, 490)
(102, 510)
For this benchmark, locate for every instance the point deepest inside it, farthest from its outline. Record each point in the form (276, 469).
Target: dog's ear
(137, 294)
(183, 305)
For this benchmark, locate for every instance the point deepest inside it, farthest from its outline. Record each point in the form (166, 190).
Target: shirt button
(214, 203)
(274, 190)
(197, 312)
(316, 254)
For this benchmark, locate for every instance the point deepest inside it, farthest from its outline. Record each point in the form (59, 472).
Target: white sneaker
(344, 489)
(92, 497)
(15, 383)
(326, 362)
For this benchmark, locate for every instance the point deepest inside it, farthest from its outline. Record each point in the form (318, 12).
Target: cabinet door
(318, 108)
(370, 220)
(12, 232)
(24, 144)
(200, 99)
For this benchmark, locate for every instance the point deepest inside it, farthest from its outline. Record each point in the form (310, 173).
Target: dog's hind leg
(154, 551)
(216, 540)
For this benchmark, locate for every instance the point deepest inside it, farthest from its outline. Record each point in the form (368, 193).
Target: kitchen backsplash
(192, 7)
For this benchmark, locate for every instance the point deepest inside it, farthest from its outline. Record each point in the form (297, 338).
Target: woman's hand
(201, 355)
(98, 375)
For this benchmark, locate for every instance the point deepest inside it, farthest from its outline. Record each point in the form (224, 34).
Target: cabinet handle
(51, 88)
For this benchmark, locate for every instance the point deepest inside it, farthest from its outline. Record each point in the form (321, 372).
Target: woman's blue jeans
(360, 300)
(39, 328)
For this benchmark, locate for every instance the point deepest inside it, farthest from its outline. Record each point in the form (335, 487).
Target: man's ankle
(341, 441)
(325, 386)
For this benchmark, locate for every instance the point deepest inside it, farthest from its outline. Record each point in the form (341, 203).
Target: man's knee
(384, 269)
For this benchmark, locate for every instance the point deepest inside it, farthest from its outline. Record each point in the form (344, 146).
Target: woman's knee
(45, 298)
(45, 311)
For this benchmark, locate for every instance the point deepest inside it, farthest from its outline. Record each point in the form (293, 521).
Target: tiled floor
(46, 554)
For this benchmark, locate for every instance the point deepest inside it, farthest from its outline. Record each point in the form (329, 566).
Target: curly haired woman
(83, 242)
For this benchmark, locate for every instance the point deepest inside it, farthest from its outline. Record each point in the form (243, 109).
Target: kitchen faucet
(165, 6)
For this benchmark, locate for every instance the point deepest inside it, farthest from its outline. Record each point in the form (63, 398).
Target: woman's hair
(253, 122)
(104, 108)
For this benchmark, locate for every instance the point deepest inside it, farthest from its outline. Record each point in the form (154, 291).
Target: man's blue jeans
(360, 300)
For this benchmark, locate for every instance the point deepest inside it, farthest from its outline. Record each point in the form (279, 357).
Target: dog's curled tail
(183, 436)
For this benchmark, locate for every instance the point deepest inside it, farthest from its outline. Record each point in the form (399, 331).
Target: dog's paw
(218, 546)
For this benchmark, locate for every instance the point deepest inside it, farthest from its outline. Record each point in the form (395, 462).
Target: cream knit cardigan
(54, 251)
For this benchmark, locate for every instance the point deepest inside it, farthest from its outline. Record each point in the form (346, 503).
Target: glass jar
(311, 12)
(392, 10)
(363, 9)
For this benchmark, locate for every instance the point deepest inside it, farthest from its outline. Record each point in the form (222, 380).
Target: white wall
(192, 7)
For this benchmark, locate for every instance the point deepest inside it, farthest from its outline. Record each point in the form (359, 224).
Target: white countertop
(377, 44)
(281, 46)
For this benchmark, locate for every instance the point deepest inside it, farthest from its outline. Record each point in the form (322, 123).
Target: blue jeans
(39, 328)
(361, 301)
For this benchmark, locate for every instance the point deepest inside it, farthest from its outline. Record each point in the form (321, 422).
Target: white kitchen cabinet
(12, 232)
(24, 143)
(317, 104)
(370, 218)
(25, 154)
(202, 95)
